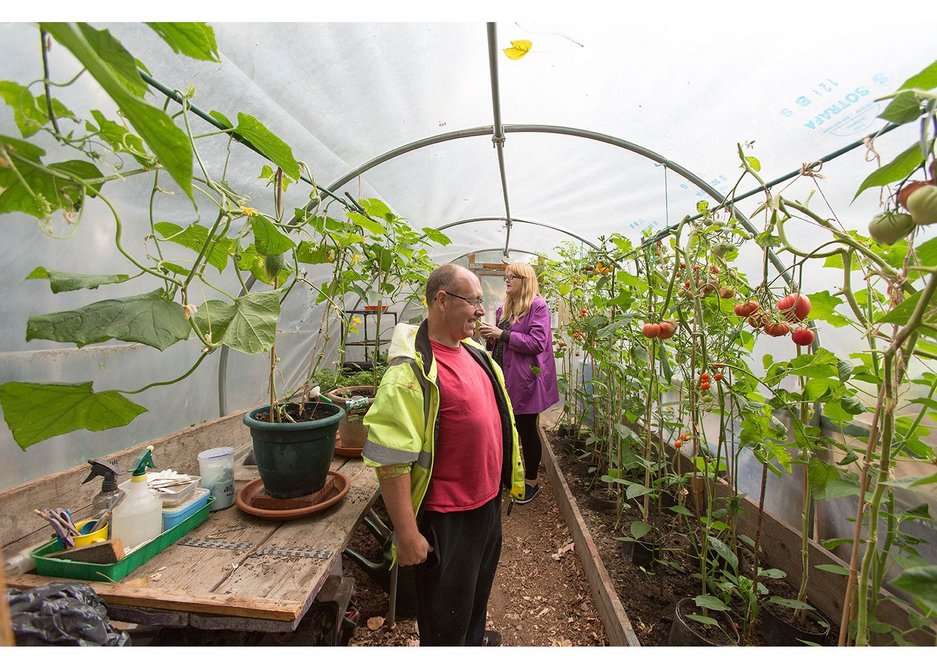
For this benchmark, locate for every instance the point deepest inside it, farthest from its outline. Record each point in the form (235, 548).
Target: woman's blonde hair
(517, 308)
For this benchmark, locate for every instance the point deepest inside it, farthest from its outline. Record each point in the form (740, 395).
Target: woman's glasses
(511, 277)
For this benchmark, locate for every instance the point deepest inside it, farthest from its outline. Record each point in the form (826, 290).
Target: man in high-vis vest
(441, 437)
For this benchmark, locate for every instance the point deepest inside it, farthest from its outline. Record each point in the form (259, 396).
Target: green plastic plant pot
(293, 458)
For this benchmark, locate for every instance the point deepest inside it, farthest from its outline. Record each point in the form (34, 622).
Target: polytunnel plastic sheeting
(688, 87)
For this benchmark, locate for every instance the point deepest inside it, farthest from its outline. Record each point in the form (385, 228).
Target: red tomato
(687, 283)
(683, 265)
(704, 387)
(651, 330)
(757, 321)
(777, 328)
(714, 269)
(794, 307)
(717, 376)
(667, 329)
(678, 443)
(685, 437)
(696, 267)
(802, 336)
(905, 192)
(745, 309)
(704, 377)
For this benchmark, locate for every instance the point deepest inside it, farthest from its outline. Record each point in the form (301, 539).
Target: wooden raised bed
(779, 540)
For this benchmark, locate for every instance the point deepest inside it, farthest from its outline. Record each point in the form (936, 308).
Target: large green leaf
(436, 236)
(927, 253)
(268, 239)
(120, 139)
(377, 209)
(62, 282)
(269, 145)
(894, 171)
(371, 226)
(309, 253)
(149, 319)
(29, 114)
(248, 325)
(35, 411)
(901, 314)
(926, 79)
(823, 307)
(904, 108)
(921, 582)
(710, 602)
(194, 237)
(117, 59)
(639, 529)
(37, 192)
(196, 40)
(169, 143)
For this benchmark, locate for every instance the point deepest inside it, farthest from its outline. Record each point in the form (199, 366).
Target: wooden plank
(298, 577)
(614, 618)
(6, 623)
(163, 599)
(20, 527)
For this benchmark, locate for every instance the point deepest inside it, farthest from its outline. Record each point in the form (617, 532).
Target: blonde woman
(522, 343)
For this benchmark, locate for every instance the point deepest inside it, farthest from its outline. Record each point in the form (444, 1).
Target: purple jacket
(530, 345)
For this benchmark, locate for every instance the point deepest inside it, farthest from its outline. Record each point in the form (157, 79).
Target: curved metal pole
(517, 220)
(572, 132)
(491, 250)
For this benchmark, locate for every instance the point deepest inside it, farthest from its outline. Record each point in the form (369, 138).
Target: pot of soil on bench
(603, 499)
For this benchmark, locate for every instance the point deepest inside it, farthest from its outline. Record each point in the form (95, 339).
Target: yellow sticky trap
(518, 49)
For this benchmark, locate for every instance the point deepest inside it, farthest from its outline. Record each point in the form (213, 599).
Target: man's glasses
(511, 277)
(478, 301)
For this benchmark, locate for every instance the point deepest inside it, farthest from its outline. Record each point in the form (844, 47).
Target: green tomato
(889, 227)
(923, 205)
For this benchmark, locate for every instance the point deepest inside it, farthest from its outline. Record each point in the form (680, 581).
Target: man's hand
(412, 546)
(412, 549)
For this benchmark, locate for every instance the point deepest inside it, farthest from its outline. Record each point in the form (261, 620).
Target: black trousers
(530, 443)
(453, 584)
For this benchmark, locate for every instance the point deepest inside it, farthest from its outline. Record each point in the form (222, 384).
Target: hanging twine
(870, 153)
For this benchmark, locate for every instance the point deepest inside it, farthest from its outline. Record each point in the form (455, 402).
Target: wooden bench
(235, 571)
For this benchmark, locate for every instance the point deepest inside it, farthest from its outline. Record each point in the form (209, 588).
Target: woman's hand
(489, 332)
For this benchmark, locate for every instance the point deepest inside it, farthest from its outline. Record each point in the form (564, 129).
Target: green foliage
(369, 251)
(36, 412)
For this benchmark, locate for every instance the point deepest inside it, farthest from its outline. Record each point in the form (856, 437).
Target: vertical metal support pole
(392, 606)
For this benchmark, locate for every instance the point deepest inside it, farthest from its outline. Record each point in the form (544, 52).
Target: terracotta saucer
(248, 496)
(345, 452)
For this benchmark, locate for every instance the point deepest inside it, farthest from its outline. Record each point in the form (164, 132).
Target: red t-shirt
(467, 464)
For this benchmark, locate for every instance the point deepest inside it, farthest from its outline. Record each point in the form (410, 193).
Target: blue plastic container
(178, 515)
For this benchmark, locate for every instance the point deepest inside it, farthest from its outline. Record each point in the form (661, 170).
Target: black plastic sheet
(62, 614)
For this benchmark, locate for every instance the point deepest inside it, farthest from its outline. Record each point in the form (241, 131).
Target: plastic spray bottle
(110, 495)
(139, 517)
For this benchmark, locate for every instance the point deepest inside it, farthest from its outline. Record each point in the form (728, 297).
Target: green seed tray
(81, 570)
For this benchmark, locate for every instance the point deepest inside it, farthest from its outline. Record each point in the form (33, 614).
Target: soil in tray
(648, 594)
